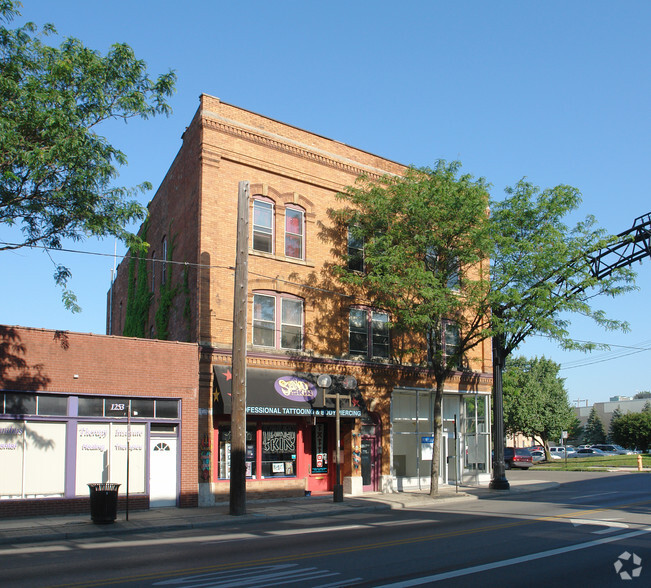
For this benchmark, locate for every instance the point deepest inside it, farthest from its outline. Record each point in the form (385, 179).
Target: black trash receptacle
(103, 502)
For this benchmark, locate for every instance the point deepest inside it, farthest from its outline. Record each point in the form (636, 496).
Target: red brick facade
(76, 365)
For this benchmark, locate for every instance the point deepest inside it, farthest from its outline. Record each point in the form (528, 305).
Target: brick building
(300, 322)
(73, 405)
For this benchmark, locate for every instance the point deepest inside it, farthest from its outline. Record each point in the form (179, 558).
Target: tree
(56, 172)
(643, 394)
(424, 237)
(613, 419)
(594, 431)
(633, 430)
(541, 274)
(535, 400)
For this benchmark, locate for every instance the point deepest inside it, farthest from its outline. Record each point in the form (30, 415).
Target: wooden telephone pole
(238, 412)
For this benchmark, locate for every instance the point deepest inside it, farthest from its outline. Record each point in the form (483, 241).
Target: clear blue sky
(555, 91)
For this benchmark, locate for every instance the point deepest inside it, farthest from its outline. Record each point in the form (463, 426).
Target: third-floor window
(263, 225)
(294, 233)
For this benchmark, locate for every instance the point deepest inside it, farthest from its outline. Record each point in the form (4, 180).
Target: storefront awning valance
(277, 393)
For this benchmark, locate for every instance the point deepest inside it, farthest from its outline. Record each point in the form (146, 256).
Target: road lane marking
(609, 524)
(347, 549)
(513, 561)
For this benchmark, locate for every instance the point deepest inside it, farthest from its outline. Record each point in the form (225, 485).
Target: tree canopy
(541, 270)
(56, 172)
(594, 431)
(535, 400)
(424, 237)
(633, 430)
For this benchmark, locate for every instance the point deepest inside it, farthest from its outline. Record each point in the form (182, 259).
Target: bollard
(639, 463)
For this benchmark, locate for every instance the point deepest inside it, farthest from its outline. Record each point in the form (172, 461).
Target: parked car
(518, 457)
(613, 449)
(560, 451)
(587, 452)
(537, 455)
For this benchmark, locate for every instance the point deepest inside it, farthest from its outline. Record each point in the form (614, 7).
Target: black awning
(277, 393)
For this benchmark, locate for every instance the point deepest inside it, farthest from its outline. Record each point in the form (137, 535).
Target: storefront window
(278, 451)
(91, 406)
(320, 449)
(225, 441)
(476, 433)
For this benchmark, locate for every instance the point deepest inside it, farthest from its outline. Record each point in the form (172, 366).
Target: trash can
(103, 502)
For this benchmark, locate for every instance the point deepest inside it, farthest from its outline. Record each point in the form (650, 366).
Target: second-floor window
(368, 332)
(277, 321)
(294, 233)
(263, 225)
(450, 340)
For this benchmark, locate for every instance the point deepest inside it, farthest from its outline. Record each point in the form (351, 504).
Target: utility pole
(238, 413)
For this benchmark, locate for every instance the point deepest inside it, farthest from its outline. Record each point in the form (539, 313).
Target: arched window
(294, 232)
(263, 224)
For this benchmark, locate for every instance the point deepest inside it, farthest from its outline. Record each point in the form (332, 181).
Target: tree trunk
(438, 428)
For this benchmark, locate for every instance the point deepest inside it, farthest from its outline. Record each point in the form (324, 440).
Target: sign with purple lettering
(295, 389)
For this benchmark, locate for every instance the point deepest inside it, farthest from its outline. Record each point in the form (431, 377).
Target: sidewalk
(79, 526)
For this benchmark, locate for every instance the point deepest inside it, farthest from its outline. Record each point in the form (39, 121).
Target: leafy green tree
(425, 238)
(633, 430)
(613, 419)
(647, 407)
(594, 431)
(535, 400)
(56, 171)
(542, 274)
(643, 394)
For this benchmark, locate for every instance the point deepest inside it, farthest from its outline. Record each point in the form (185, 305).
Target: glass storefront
(465, 432)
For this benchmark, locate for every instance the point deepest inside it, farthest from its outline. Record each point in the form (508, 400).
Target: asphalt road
(591, 531)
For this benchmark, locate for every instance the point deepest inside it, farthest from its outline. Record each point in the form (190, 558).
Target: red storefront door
(321, 462)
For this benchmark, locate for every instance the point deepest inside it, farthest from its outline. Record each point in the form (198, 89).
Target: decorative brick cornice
(269, 140)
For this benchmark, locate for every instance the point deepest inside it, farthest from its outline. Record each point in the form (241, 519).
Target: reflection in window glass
(294, 233)
(380, 330)
(358, 331)
(52, 405)
(264, 320)
(262, 226)
(224, 469)
(20, 404)
(291, 325)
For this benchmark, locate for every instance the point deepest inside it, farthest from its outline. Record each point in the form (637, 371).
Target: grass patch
(590, 463)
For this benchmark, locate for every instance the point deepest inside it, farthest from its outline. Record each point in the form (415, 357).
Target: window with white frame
(263, 225)
(277, 321)
(368, 333)
(294, 233)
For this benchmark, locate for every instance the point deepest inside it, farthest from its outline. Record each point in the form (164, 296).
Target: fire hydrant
(639, 463)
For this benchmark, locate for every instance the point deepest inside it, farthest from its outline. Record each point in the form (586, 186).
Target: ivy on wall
(166, 297)
(138, 294)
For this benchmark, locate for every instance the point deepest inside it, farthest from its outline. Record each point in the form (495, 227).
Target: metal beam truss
(633, 245)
